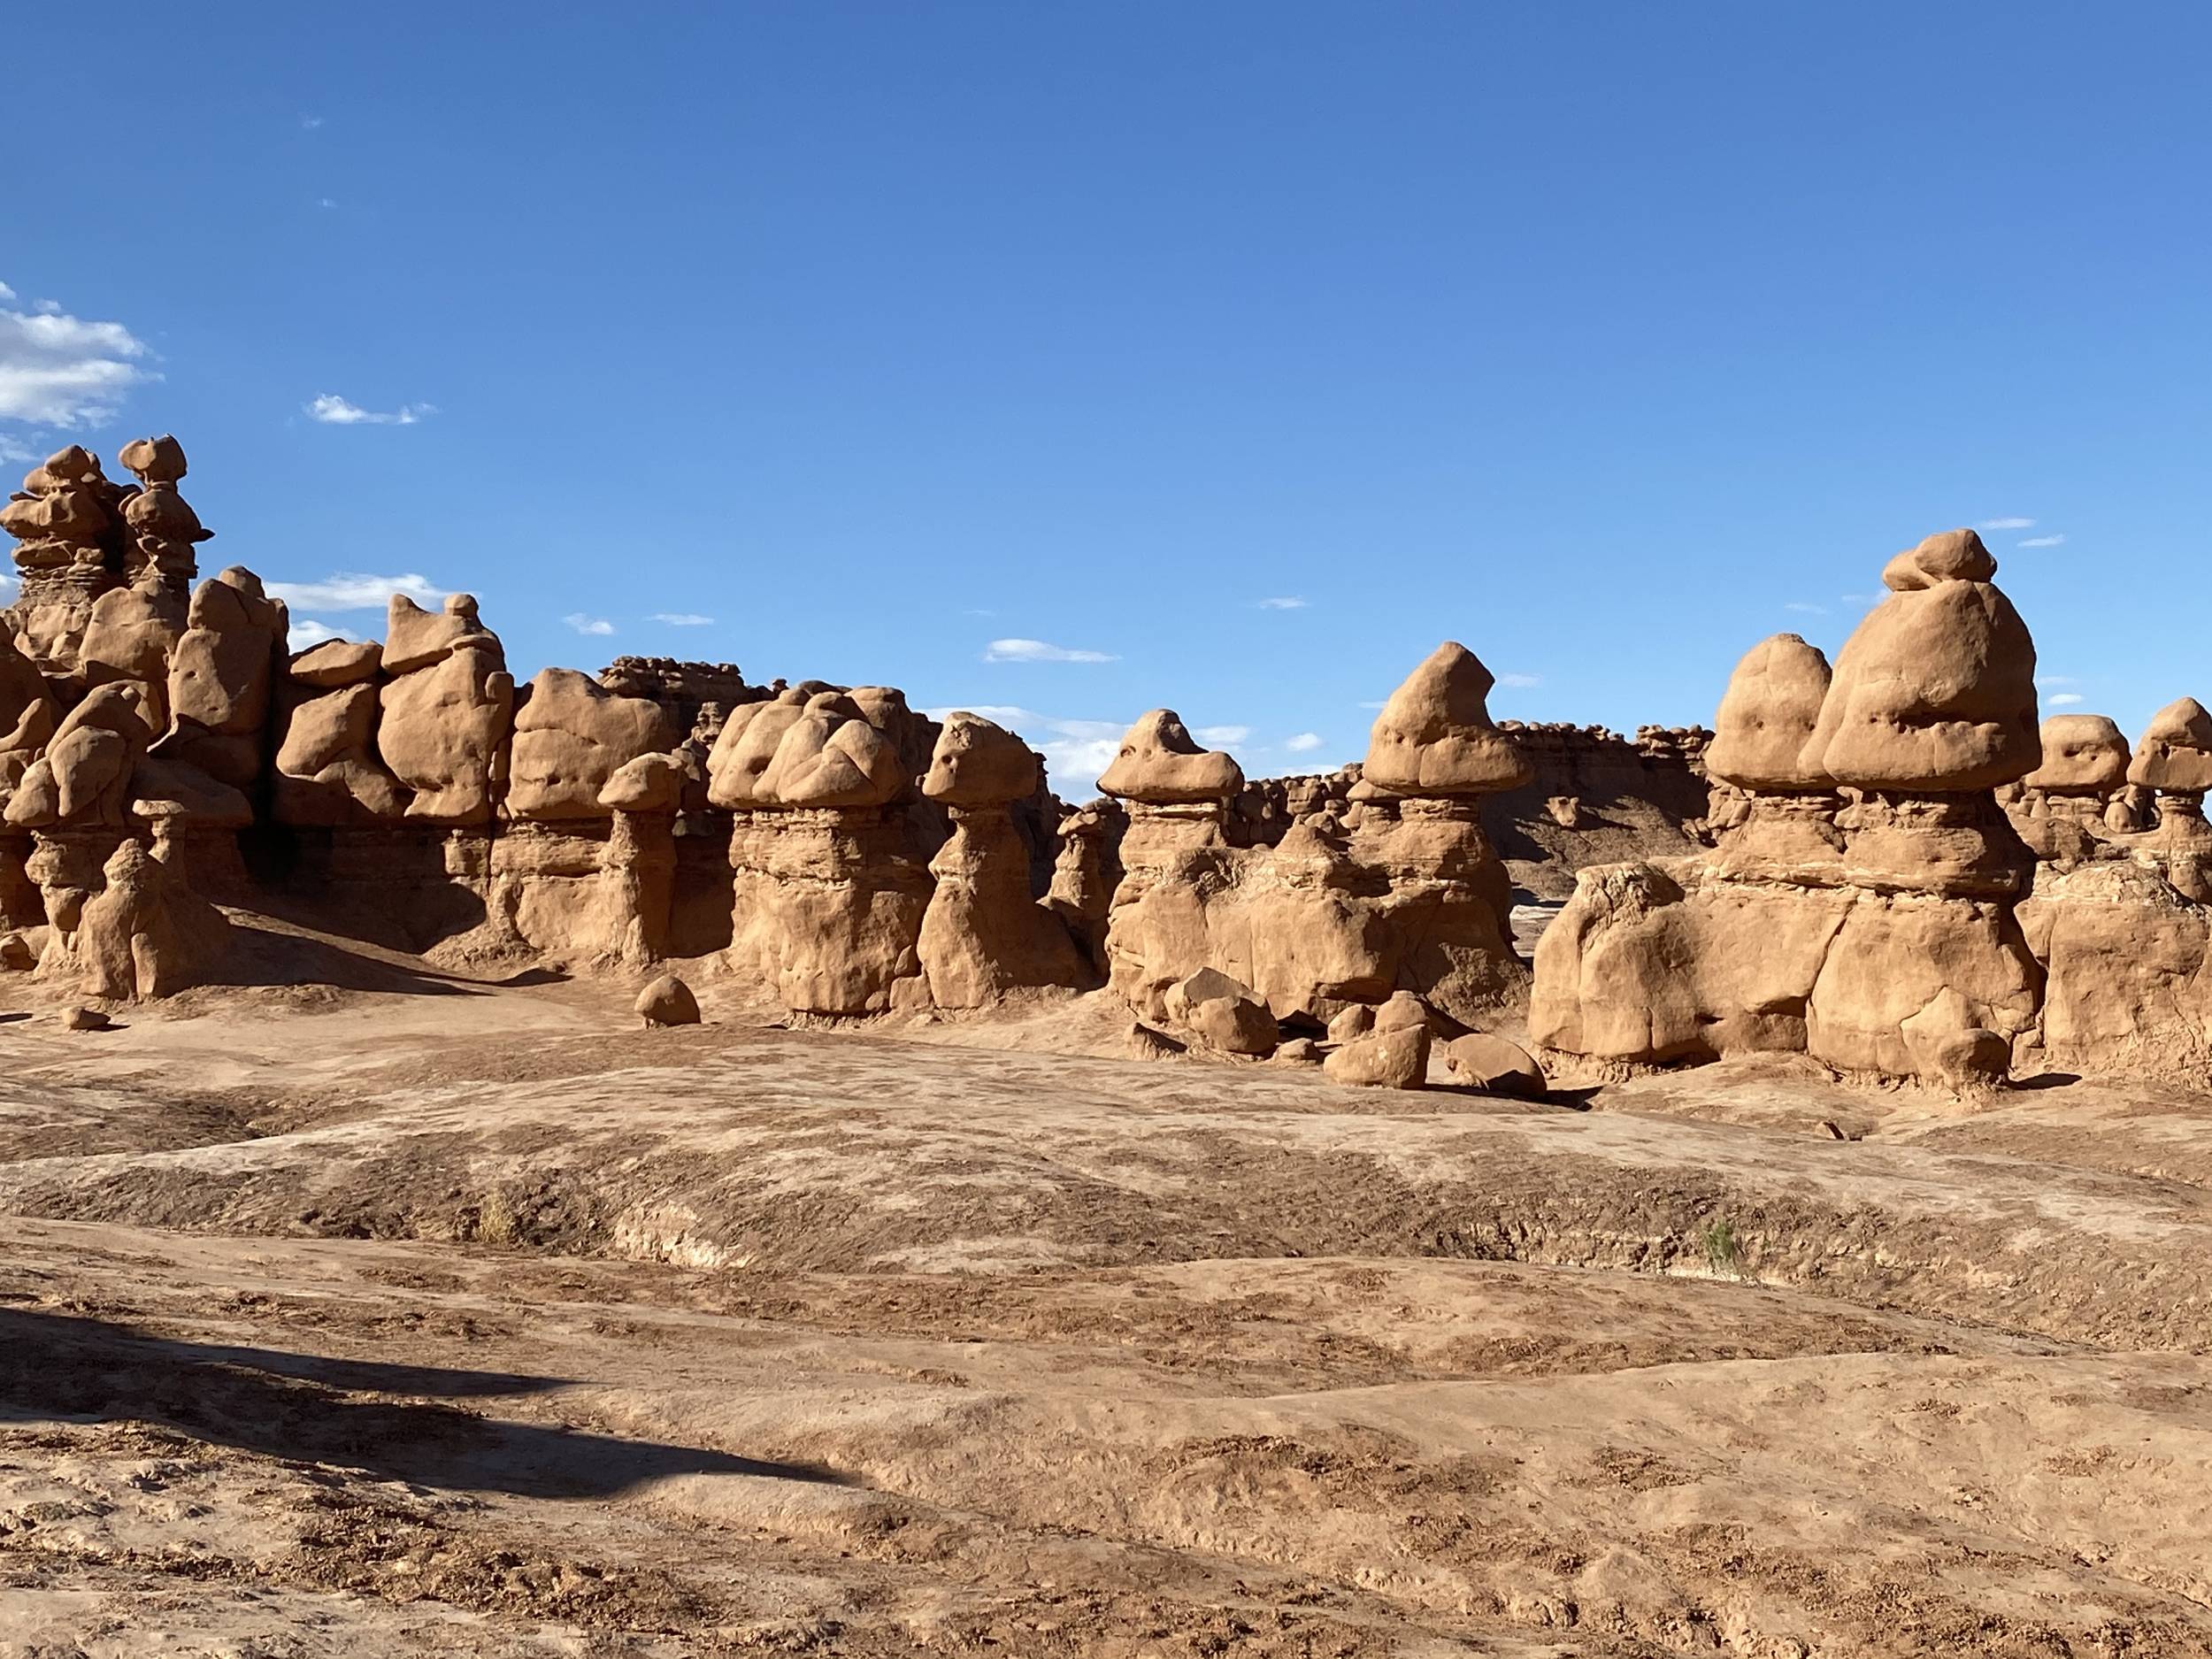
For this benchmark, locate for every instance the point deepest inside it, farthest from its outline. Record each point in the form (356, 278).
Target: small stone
(668, 1001)
(1405, 1011)
(1355, 1021)
(1300, 1051)
(77, 1016)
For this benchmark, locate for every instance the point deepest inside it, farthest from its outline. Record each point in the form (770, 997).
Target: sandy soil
(439, 1317)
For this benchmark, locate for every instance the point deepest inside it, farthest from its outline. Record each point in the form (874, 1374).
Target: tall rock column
(638, 868)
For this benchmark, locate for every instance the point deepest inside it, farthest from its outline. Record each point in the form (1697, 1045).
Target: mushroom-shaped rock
(1934, 692)
(1767, 715)
(667, 1001)
(977, 763)
(1161, 764)
(2175, 751)
(1435, 736)
(415, 638)
(571, 734)
(2083, 754)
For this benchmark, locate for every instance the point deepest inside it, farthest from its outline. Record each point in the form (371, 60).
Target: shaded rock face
(1879, 933)
(1392, 886)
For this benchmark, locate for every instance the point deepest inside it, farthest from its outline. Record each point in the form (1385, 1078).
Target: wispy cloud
(583, 623)
(1286, 602)
(1038, 651)
(2044, 540)
(351, 591)
(1376, 705)
(2007, 524)
(333, 411)
(2064, 698)
(2058, 679)
(325, 201)
(1304, 742)
(681, 620)
(1861, 599)
(1519, 683)
(309, 123)
(1805, 609)
(1219, 734)
(57, 370)
(306, 631)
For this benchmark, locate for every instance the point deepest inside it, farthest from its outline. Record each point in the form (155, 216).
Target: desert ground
(430, 1314)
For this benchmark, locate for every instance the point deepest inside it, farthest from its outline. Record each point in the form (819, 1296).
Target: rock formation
(146, 932)
(447, 706)
(163, 532)
(983, 935)
(1883, 943)
(2060, 806)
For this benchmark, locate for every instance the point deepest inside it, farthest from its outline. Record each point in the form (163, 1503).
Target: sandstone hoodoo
(1902, 874)
(1883, 942)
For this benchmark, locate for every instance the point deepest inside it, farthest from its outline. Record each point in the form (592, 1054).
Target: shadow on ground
(298, 1406)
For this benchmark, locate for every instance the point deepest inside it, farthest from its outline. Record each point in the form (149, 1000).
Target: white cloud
(63, 371)
(1376, 705)
(350, 591)
(1304, 741)
(333, 411)
(1520, 682)
(309, 123)
(2008, 524)
(1800, 606)
(583, 623)
(2063, 699)
(325, 201)
(2058, 679)
(1861, 599)
(306, 631)
(1219, 734)
(681, 620)
(1285, 603)
(1038, 651)
(13, 453)
(2043, 540)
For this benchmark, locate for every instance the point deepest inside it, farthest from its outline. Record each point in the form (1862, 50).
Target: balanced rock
(163, 531)
(1767, 717)
(2175, 751)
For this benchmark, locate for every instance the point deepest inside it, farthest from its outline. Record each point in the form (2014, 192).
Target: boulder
(327, 769)
(667, 1001)
(1382, 1059)
(2175, 751)
(1494, 1065)
(415, 638)
(1767, 717)
(336, 663)
(1161, 763)
(1435, 736)
(2083, 754)
(444, 730)
(571, 734)
(1222, 1014)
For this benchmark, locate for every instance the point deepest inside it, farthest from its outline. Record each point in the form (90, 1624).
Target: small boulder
(1144, 1043)
(1405, 1011)
(1355, 1021)
(1300, 1051)
(1382, 1059)
(1222, 1014)
(77, 1016)
(1494, 1066)
(668, 1001)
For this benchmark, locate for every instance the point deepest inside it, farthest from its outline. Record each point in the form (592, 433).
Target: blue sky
(1229, 355)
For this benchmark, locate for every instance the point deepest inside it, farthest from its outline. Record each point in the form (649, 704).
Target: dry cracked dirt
(450, 1316)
